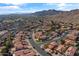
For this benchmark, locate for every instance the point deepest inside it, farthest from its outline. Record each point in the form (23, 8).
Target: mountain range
(58, 15)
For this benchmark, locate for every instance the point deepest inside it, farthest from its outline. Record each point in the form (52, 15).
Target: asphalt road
(39, 50)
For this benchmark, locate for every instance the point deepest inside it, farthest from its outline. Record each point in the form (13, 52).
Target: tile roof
(70, 51)
(21, 46)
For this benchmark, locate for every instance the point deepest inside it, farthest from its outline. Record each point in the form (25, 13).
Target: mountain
(56, 15)
(46, 12)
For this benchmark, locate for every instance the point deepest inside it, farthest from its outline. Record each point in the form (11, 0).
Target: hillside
(67, 16)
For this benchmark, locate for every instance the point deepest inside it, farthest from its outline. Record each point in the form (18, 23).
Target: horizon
(36, 11)
(9, 8)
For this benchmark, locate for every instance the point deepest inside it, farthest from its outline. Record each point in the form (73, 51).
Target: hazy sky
(14, 7)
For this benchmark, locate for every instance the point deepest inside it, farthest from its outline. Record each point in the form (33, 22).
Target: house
(52, 45)
(19, 53)
(71, 37)
(26, 52)
(18, 46)
(16, 40)
(69, 42)
(30, 53)
(70, 51)
(61, 48)
(39, 36)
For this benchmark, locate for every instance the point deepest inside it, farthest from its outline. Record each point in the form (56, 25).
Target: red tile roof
(70, 51)
(26, 52)
(21, 46)
(61, 48)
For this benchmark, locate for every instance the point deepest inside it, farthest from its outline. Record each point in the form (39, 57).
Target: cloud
(50, 4)
(27, 11)
(15, 2)
(9, 7)
(18, 2)
(16, 9)
(65, 6)
(61, 6)
(31, 10)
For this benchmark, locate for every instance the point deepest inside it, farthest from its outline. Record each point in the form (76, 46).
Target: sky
(22, 7)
